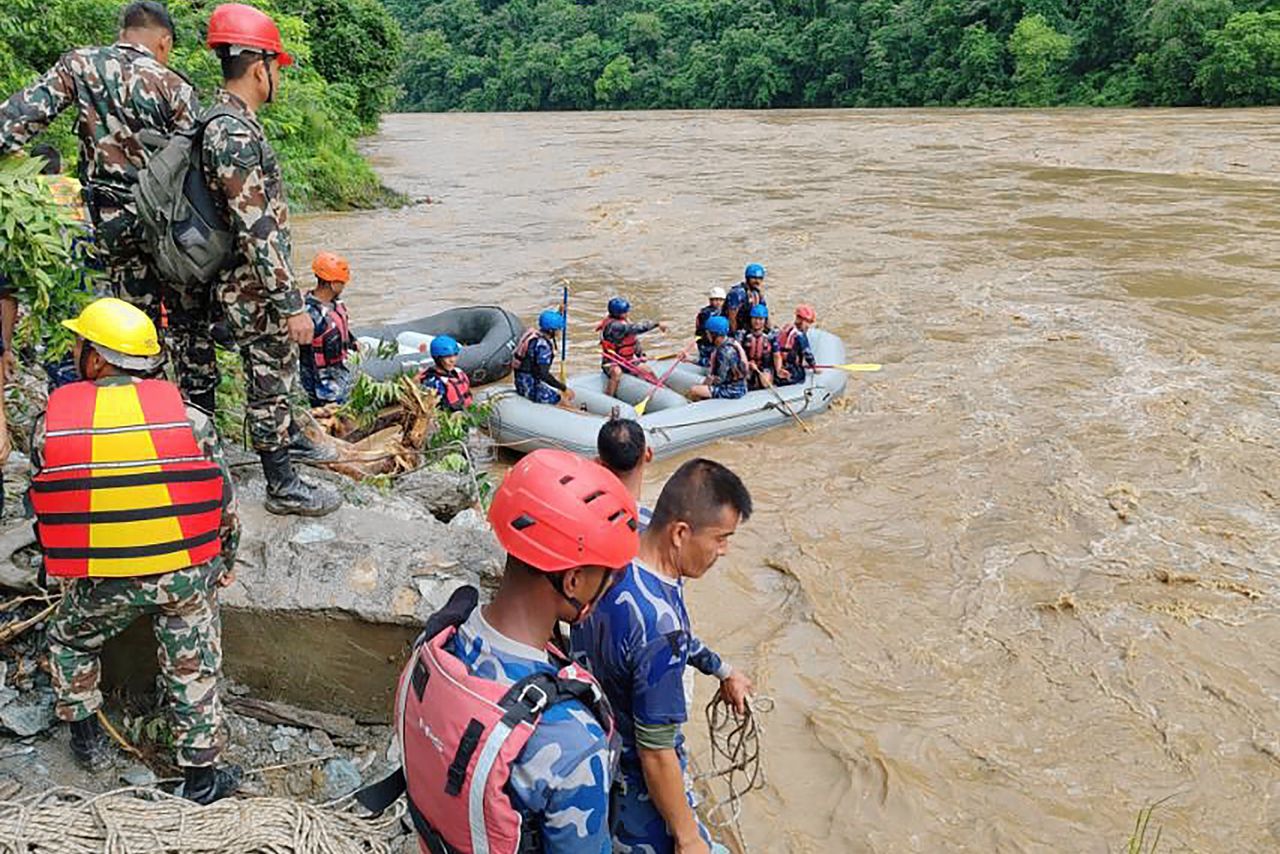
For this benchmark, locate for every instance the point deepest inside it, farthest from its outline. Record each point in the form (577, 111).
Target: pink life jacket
(460, 733)
(522, 351)
(331, 345)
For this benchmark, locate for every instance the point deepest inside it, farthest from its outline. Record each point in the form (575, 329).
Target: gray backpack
(187, 234)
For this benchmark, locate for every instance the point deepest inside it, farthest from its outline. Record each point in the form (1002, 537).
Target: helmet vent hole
(593, 496)
(617, 514)
(523, 521)
(566, 479)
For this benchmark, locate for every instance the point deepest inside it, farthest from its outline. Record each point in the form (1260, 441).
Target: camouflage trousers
(183, 606)
(270, 366)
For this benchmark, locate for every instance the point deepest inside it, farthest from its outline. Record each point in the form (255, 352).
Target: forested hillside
(646, 54)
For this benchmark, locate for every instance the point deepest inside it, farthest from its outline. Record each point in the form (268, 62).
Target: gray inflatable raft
(487, 333)
(671, 422)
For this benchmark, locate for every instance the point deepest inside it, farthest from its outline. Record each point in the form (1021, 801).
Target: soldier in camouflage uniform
(127, 102)
(113, 590)
(263, 308)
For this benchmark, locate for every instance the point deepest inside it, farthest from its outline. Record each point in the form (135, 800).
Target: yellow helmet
(114, 324)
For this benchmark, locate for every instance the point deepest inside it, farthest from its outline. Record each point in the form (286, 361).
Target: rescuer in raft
(639, 642)
(743, 296)
(727, 368)
(134, 507)
(322, 364)
(450, 383)
(506, 742)
(531, 363)
(792, 354)
(620, 343)
(714, 306)
(758, 344)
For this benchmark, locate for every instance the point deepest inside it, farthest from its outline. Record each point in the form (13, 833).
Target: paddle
(636, 370)
(786, 407)
(564, 332)
(853, 367)
(662, 380)
(666, 356)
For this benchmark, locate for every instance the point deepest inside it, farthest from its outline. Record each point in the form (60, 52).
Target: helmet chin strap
(580, 610)
(271, 81)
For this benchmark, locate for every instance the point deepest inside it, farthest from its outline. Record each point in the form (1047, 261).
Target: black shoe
(210, 783)
(290, 495)
(89, 745)
(303, 450)
(205, 400)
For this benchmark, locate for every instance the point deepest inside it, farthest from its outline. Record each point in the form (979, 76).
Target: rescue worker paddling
(322, 363)
(727, 371)
(450, 383)
(264, 311)
(134, 507)
(758, 345)
(531, 363)
(506, 742)
(793, 354)
(620, 343)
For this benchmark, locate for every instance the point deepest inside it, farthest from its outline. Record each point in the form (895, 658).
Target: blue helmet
(759, 310)
(444, 345)
(551, 320)
(753, 271)
(718, 325)
(618, 307)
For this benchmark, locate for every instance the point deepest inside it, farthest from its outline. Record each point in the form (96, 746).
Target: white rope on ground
(735, 758)
(135, 820)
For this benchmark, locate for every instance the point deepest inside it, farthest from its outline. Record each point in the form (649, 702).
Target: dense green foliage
(561, 54)
(347, 51)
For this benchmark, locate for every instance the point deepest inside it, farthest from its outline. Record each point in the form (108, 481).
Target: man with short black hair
(638, 643)
(129, 103)
(623, 450)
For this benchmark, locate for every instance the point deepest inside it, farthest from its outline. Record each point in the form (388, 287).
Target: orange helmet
(238, 25)
(331, 267)
(806, 312)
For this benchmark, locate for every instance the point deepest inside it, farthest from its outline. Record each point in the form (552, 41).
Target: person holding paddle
(727, 373)
(793, 356)
(620, 343)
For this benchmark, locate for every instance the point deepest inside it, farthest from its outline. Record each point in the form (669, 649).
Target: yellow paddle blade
(866, 366)
(641, 405)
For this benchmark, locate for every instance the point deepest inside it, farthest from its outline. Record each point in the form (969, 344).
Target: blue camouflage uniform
(705, 346)
(541, 353)
(637, 642)
(796, 359)
(734, 300)
(729, 364)
(562, 776)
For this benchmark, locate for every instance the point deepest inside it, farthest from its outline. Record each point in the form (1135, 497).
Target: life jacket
(628, 348)
(330, 345)
(737, 374)
(700, 325)
(457, 386)
(521, 352)
(744, 310)
(459, 736)
(788, 345)
(759, 348)
(124, 489)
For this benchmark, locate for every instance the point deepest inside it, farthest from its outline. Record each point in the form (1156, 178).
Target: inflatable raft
(487, 333)
(671, 422)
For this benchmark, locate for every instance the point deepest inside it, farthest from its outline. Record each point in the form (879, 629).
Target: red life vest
(330, 346)
(460, 733)
(738, 373)
(522, 350)
(759, 349)
(628, 348)
(457, 386)
(123, 487)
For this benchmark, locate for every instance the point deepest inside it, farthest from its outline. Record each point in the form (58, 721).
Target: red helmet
(556, 511)
(238, 25)
(806, 312)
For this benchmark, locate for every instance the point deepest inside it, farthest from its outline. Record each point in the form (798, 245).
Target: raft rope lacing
(735, 759)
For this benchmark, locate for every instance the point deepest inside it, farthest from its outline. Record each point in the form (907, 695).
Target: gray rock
(319, 743)
(28, 715)
(138, 775)
(340, 778)
(313, 533)
(443, 494)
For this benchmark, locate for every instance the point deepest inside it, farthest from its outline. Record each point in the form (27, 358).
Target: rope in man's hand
(735, 756)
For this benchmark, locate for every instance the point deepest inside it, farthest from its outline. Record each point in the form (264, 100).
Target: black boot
(210, 783)
(303, 450)
(206, 400)
(290, 495)
(89, 745)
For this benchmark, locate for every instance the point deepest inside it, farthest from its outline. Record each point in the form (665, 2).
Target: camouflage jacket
(123, 95)
(206, 437)
(243, 173)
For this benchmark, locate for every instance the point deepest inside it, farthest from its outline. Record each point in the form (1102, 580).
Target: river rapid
(1023, 582)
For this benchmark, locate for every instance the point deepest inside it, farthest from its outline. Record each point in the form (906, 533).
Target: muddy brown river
(1025, 582)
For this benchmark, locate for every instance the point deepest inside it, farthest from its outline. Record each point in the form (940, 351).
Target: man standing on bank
(128, 104)
(134, 507)
(263, 307)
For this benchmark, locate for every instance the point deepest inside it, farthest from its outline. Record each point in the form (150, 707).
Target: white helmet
(716, 293)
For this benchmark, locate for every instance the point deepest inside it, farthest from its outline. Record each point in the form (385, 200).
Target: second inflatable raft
(671, 422)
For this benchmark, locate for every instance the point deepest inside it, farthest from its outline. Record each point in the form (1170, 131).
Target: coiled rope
(735, 758)
(137, 820)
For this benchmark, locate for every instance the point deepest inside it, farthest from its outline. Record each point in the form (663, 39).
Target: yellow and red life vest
(627, 347)
(456, 384)
(124, 489)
